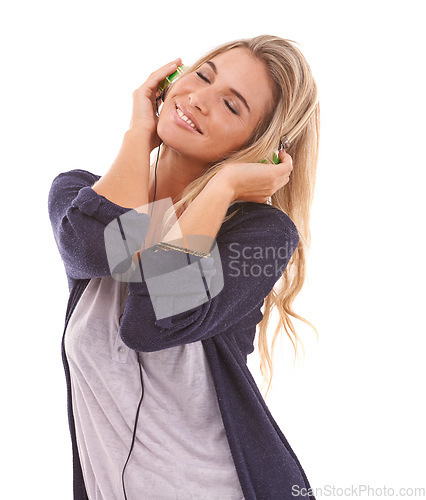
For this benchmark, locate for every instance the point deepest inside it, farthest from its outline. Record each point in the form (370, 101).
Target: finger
(282, 155)
(160, 74)
(175, 63)
(286, 162)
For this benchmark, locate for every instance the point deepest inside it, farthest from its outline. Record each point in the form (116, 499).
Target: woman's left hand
(256, 181)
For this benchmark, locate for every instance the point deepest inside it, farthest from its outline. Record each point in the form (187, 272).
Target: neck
(174, 173)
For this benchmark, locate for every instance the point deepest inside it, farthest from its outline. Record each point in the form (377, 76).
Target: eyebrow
(235, 92)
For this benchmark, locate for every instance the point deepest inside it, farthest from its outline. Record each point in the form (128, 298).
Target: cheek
(229, 136)
(225, 128)
(163, 130)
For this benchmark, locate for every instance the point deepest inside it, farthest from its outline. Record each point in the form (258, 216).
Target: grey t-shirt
(181, 450)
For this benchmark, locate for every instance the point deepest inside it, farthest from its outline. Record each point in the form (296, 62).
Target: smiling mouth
(182, 115)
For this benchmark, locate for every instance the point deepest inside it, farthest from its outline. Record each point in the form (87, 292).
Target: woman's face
(224, 100)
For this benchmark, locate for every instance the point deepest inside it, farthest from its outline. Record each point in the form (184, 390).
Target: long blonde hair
(296, 115)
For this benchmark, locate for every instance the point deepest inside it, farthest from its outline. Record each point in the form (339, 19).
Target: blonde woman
(161, 403)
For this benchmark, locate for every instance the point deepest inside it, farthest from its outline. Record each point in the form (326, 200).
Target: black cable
(134, 429)
(137, 353)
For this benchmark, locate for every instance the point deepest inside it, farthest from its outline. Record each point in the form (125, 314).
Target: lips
(188, 117)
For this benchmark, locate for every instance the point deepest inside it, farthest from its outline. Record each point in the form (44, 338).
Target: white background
(353, 409)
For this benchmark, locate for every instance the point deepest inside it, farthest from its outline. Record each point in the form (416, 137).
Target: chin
(179, 142)
(170, 139)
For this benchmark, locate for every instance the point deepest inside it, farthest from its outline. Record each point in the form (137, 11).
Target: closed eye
(208, 81)
(203, 77)
(231, 108)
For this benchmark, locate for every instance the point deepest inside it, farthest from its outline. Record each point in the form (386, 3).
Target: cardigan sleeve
(80, 217)
(183, 298)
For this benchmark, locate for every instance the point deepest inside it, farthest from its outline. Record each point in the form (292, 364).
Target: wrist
(140, 137)
(222, 182)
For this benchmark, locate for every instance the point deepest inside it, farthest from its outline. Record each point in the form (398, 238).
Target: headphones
(162, 98)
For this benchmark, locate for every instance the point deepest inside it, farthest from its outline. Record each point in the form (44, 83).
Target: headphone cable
(137, 352)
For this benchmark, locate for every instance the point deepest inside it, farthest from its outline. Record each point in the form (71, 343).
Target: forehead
(247, 74)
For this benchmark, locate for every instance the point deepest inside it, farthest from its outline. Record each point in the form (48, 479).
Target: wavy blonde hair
(296, 115)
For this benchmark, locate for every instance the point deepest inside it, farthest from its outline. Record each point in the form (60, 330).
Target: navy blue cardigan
(226, 323)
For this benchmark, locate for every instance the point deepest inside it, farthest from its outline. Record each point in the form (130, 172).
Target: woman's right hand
(144, 114)
(256, 181)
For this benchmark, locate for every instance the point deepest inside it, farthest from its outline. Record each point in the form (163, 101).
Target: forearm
(198, 226)
(127, 180)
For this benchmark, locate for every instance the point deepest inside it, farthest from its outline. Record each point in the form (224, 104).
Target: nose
(199, 99)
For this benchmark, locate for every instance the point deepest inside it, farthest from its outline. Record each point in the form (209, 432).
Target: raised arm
(127, 180)
(81, 205)
(176, 297)
(184, 298)
(253, 182)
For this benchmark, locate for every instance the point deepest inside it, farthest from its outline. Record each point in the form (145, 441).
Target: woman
(161, 402)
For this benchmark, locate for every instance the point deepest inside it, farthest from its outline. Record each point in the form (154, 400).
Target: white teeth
(184, 117)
